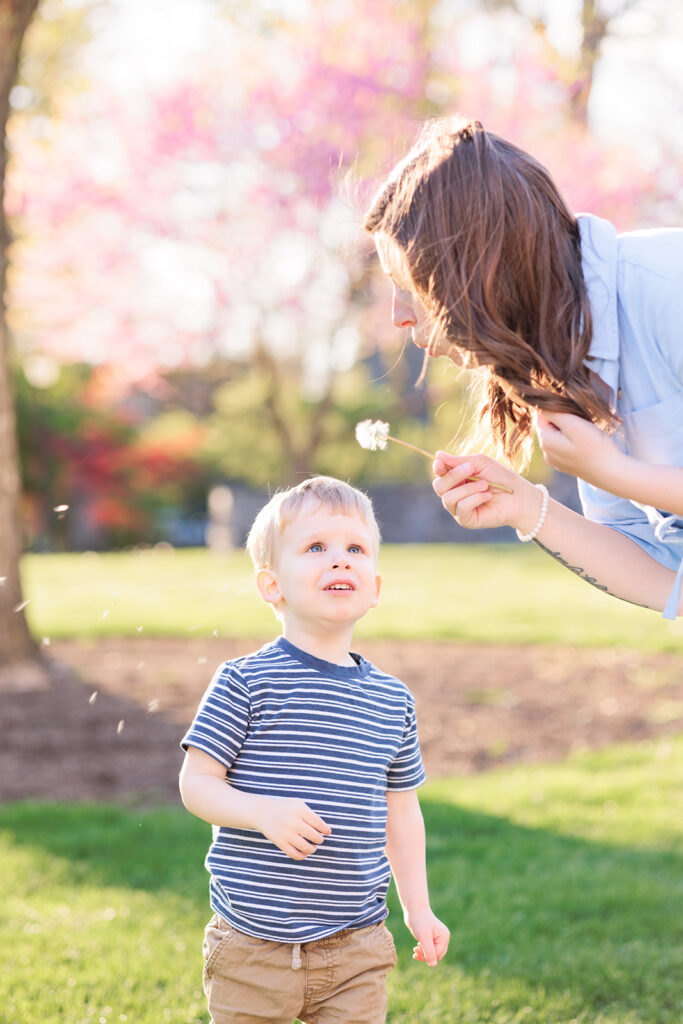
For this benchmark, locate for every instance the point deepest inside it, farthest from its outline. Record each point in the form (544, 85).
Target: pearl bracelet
(524, 537)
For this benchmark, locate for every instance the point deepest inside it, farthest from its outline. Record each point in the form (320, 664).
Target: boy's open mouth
(339, 586)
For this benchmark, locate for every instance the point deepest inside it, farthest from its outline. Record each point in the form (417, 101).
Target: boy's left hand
(432, 937)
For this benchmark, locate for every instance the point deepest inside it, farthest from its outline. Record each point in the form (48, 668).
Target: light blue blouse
(635, 289)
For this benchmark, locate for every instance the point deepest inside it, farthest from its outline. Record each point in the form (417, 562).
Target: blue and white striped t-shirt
(287, 724)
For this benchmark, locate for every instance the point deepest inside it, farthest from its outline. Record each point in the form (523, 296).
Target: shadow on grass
(540, 911)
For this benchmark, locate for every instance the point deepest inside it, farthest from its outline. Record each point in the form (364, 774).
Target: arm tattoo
(584, 576)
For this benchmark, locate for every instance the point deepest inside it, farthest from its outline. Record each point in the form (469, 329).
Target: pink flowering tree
(209, 222)
(212, 223)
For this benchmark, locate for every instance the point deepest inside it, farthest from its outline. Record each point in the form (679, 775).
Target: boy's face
(325, 569)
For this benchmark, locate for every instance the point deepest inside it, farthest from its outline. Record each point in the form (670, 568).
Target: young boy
(306, 756)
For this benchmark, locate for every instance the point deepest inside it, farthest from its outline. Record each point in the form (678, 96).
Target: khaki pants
(341, 980)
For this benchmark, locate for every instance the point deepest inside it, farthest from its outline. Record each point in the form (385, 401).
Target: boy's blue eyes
(354, 548)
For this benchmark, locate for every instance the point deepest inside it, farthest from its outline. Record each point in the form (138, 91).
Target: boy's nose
(338, 563)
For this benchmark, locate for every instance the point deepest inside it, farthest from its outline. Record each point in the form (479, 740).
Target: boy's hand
(432, 937)
(292, 826)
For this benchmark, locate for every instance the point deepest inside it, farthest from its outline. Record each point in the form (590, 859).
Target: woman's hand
(575, 446)
(472, 503)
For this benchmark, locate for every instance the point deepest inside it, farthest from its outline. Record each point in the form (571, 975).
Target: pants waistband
(327, 940)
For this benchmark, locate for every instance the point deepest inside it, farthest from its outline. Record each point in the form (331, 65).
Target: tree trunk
(16, 643)
(594, 27)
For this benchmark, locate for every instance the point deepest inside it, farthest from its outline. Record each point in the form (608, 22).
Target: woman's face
(406, 310)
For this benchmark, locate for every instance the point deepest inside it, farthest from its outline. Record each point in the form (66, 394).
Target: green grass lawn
(477, 593)
(562, 885)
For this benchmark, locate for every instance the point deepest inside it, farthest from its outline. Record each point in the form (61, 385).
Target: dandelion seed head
(372, 434)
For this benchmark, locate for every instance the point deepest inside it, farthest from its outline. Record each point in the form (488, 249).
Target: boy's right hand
(292, 826)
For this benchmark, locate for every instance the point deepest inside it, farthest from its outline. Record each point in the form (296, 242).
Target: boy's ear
(378, 587)
(268, 586)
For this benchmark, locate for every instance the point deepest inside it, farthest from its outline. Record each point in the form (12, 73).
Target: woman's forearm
(605, 558)
(598, 554)
(659, 486)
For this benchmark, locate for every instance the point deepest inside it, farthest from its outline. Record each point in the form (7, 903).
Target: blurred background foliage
(191, 298)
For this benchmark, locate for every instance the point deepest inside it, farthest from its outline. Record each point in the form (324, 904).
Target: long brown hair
(493, 253)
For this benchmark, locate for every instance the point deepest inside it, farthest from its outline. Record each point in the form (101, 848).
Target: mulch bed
(105, 721)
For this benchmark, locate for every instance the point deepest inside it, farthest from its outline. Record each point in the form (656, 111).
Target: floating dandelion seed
(105, 613)
(374, 434)
(60, 510)
(140, 665)
(139, 629)
(119, 727)
(92, 698)
(45, 642)
(20, 607)
(152, 706)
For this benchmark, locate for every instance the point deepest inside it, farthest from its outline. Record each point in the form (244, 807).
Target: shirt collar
(599, 263)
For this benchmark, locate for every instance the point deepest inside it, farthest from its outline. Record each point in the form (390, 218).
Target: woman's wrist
(534, 513)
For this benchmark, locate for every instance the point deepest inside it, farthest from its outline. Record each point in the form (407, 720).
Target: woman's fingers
(463, 507)
(443, 461)
(455, 491)
(451, 478)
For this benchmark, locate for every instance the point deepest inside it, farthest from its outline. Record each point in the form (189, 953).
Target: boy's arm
(288, 822)
(407, 857)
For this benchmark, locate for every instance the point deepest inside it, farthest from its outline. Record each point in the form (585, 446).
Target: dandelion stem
(407, 444)
(430, 455)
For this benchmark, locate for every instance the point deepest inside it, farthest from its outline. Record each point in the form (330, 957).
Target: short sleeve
(407, 770)
(222, 718)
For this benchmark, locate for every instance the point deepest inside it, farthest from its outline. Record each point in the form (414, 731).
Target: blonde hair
(284, 506)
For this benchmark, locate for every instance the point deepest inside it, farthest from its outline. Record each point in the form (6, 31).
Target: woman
(578, 333)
